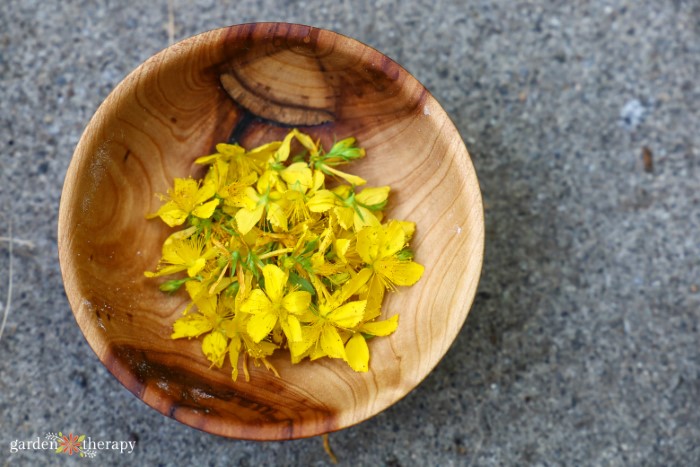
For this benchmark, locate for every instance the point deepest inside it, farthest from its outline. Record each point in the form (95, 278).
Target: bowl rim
(67, 268)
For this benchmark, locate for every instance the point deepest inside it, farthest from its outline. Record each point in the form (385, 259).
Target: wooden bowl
(252, 82)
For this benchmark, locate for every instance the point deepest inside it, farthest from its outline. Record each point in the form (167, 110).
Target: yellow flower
(210, 315)
(298, 174)
(322, 337)
(214, 347)
(186, 198)
(353, 210)
(217, 176)
(356, 349)
(378, 248)
(241, 342)
(275, 259)
(191, 325)
(301, 186)
(241, 163)
(342, 152)
(273, 306)
(180, 254)
(352, 179)
(255, 205)
(282, 153)
(206, 318)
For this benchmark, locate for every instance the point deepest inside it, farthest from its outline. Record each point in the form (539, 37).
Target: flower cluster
(273, 258)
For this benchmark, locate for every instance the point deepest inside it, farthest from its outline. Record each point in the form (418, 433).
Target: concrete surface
(582, 345)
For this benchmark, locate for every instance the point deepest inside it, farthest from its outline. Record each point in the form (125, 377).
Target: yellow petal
(297, 302)
(394, 239)
(381, 328)
(234, 352)
(207, 306)
(367, 246)
(275, 281)
(372, 196)
(353, 179)
(363, 217)
(283, 151)
(357, 353)
(343, 191)
(195, 289)
(409, 228)
(205, 193)
(210, 159)
(399, 272)
(172, 214)
(182, 234)
(351, 287)
(300, 173)
(196, 267)
(217, 174)
(276, 216)
(261, 349)
(348, 315)
(322, 201)
(190, 326)
(265, 148)
(246, 219)
(229, 150)
(184, 189)
(331, 343)
(346, 216)
(375, 296)
(316, 351)
(205, 210)
(260, 325)
(166, 270)
(305, 141)
(256, 303)
(241, 194)
(318, 180)
(309, 336)
(292, 329)
(214, 347)
(341, 248)
(270, 179)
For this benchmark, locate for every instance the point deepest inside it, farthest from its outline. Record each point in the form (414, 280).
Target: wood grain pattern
(253, 82)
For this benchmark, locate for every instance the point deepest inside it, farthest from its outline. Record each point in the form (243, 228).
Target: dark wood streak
(181, 391)
(242, 125)
(329, 116)
(249, 120)
(185, 388)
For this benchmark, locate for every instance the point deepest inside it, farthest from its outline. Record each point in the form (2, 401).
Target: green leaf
(404, 255)
(376, 207)
(301, 282)
(173, 285)
(232, 289)
(311, 246)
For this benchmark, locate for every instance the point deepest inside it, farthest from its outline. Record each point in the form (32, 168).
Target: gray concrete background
(582, 345)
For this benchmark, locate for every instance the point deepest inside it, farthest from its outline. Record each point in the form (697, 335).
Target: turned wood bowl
(251, 83)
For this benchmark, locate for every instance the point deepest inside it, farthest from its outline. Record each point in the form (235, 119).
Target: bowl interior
(254, 82)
